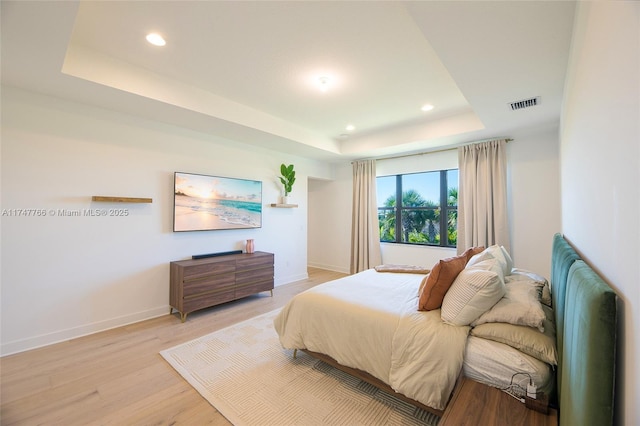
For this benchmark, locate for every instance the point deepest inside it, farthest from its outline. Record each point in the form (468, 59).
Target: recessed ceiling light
(350, 128)
(427, 107)
(323, 83)
(156, 39)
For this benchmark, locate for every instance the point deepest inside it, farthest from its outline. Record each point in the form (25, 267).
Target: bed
(377, 331)
(501, 333)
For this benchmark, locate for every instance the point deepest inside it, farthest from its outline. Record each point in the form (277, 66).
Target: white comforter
(369, 321)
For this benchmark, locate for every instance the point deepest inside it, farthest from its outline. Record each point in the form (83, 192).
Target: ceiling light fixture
(323, 83)
(156, 39)
(427, 107)
(350, 128)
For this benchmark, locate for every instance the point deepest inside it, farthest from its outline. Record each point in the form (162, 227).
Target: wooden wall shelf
(103, 199)
(284, 206)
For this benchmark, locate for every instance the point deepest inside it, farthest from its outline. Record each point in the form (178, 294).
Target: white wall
(329, 237)
(534, 197)
(63, 277)
(534, 206)
(600, 168)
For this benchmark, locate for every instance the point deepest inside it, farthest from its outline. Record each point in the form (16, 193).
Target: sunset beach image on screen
(206, 203)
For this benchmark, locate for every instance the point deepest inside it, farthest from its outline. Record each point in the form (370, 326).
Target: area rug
(244, 372)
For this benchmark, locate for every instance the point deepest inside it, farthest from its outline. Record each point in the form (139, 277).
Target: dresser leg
(271, 292)
(295, 353)
(183, 317)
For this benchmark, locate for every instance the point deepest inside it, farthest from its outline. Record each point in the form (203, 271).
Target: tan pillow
(519, 306)
(540, 345)
(535, 279)
(437, 283)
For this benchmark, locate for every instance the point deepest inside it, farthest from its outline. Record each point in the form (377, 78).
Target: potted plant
(287, 178)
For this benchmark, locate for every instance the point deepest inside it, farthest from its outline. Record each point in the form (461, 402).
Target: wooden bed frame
(366, 377)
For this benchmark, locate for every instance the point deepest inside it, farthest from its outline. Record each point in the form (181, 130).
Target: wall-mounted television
(207, 203)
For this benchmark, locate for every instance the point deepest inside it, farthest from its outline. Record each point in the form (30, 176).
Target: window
(415, 208)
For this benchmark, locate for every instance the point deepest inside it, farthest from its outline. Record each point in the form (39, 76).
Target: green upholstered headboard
(562, 257)
(589, 354)
(585, 308)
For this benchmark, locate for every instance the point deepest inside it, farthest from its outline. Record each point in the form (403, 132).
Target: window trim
(444, 208)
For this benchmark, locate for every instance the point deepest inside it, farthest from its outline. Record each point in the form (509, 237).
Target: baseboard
(42, 340)
(22, 345)
(290, 279)
(329, 267)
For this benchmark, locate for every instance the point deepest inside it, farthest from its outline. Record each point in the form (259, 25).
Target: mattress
(505, 368)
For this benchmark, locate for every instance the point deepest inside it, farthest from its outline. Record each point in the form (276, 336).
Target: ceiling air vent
(525, 103)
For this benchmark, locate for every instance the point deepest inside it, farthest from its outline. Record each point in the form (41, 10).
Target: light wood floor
(118, 376)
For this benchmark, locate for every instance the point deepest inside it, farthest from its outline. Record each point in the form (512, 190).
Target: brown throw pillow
(437, 283)
(472, 251)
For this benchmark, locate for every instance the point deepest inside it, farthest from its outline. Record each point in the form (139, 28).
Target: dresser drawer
(252, 262)
(198, 271)
(255, 286)
(208, 283)
(262, 273)
(208, 299)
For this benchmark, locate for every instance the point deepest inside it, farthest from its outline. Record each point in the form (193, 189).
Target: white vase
(284, 199)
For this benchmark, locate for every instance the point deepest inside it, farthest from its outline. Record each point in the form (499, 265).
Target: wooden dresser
(201, 283)
(475, 404)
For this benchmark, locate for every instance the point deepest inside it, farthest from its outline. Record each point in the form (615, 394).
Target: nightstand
(476, 404)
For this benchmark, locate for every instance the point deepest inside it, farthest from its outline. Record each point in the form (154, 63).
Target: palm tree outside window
(414, 208)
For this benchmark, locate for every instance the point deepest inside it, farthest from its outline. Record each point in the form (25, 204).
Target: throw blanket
(405, 269)
(369, 321)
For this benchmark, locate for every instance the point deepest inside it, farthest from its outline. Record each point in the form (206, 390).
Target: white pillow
(500, 253)
(508, 259)
(480, 257)
(475, 290)
(519, 306)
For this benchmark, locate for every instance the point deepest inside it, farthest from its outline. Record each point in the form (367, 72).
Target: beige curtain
(482, 200)
(365, 232)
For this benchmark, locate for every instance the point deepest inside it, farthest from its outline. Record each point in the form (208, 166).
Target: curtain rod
(437, 150)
